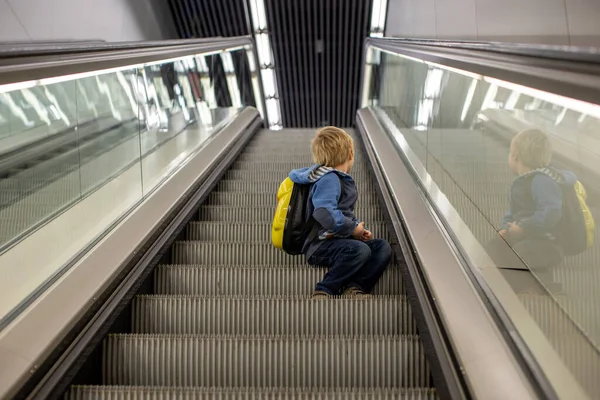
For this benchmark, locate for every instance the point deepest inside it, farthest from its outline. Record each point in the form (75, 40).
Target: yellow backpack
(291, 224)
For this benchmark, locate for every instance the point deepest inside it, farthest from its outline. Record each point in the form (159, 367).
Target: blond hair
(332, 147)
(533, 148)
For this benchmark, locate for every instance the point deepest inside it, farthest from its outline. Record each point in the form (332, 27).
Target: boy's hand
(515, 231)
(358, 231)
(367, 235)
(503, 233)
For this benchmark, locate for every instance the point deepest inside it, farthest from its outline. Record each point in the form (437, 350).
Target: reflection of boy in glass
(533, 224)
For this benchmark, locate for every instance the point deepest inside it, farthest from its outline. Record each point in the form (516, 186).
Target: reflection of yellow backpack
(579, 224)
(590, 224)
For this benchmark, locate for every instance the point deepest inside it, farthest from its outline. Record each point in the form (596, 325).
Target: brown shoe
(319, 294)
(355, 292)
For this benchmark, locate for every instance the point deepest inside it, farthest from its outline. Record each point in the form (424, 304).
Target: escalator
(174, 291)
(232, 316)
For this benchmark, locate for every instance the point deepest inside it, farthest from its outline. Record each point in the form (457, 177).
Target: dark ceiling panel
(317, 48)
(202, 18)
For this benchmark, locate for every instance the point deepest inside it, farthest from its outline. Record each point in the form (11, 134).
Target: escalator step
(277, 176)
(268, 199)
(194, 393)
(241, 253)
(254, 280)
(269, 187)
(219, 253)
(272, 315)
(282, 167)
(265, 214)
(266, 361)
(259, 232)
(288, 157)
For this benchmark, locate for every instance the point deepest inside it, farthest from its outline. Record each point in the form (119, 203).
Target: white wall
(565, 22)
(110, 20)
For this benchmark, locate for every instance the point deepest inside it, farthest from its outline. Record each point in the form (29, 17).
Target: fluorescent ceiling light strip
(227, 63)
(436, 65)
(262, 15)
(254, 12)
(576, 105)
(268, 82)
(382, 13)
(375, 14)
(469, 99)
(512, 100)
(265, 58)
(489, 97)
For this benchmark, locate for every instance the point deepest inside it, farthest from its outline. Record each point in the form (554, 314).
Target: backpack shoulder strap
(341, 185)
(314, 225)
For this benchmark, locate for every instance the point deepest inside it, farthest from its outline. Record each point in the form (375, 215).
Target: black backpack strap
(314, 231)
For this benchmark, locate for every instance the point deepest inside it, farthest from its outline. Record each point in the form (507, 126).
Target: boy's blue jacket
(536, 202)
(335, 215)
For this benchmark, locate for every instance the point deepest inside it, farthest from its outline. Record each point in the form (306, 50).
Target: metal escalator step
(266, 361)
(283, 158)
(219, 253)
(255, 280)
(251, 232)
(199, 393)
(263, 187)
(265, 214)
(268, 199)
(283, 167)
(272, 315)
(278, 176)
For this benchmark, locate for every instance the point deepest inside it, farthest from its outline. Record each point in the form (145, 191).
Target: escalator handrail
(551, 51)
(573, 73)
(40, 62)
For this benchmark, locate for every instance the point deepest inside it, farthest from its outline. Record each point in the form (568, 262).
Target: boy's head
(332, 147)
(529, 150)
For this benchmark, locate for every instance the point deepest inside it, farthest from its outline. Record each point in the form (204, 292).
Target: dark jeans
(537, 254)
(352, 263)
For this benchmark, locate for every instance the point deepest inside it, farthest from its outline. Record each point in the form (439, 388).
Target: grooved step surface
(265, 214)
(282, 167)
(272, 315)
(193, 393)
(276, 176)
(240, 199)
(254, 280)
(269, 187)
(251, 232)
(245, 361)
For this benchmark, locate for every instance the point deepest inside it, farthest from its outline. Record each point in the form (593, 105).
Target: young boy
(355, 259)
(533, 224)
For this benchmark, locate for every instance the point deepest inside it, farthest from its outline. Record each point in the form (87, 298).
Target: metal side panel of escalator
(230, 316)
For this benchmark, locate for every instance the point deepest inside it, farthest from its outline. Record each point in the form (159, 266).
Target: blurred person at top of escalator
(535, 224)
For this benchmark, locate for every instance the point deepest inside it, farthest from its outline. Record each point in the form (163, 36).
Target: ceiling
(316, 44)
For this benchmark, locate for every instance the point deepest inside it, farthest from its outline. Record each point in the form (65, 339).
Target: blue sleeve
(508, 215)
(547, 197)
(325, 198)
(507, 219)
